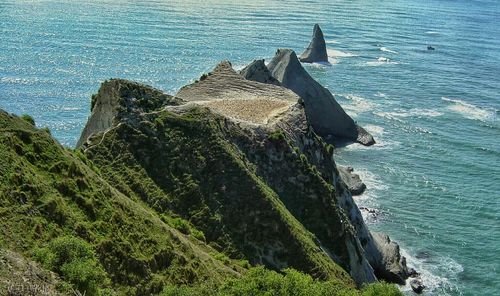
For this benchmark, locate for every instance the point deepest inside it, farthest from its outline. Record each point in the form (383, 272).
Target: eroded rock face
(352, 180)
(257, 71)
(323, 112)
(391, 265)
(316, 51)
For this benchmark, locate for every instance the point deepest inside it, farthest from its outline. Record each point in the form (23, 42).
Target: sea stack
(316, 51)
(323, 112)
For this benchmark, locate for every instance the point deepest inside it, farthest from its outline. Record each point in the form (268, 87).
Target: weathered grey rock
(382, 254)
(417, 285)
(352, 180)
(316, 51)
(323, 112)
(257, 71)
(413, 273)
(391, 265)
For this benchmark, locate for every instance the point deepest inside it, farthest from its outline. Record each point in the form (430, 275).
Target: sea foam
(437, 273)
(381, 61)
(357, 104)
(469, 110)
(385, 49)
(333, 53)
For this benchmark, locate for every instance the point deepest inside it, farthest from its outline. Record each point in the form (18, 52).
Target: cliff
(309, 185)
(192, 189)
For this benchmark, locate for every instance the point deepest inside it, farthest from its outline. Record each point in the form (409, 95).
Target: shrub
(75, 260)
(28, 118)
(261, 281)
(381, 289)
(277, 136)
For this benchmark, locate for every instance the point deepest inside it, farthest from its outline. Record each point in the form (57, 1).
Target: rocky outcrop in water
(323, 112)
(316, 51)
(352, 180)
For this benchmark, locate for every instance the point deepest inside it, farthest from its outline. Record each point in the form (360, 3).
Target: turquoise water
(434, 174)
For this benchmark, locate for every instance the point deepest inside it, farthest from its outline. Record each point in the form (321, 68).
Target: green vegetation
(276, 136)
(75, 260)
(261, 281)
(198, 174)
(48, 192)
(28, 119)
(173, 205)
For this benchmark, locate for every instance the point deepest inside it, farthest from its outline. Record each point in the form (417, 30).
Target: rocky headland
(168, 192)
(270, 126)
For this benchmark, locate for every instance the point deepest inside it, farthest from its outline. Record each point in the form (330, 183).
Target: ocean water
(434, 174)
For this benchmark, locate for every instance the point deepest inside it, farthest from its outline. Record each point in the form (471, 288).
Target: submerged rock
(353, 181)
(316, 51)
(323, 112)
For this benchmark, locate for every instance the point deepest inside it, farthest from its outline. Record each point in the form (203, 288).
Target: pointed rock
(257, 71)
(316, 51)
(323, 112)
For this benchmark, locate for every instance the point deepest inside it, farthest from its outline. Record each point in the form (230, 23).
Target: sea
(433, 176)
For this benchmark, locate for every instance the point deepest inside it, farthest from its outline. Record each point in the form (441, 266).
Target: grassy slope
(47, 191)
(183, 165)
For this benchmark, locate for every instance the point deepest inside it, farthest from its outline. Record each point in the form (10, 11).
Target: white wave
(333, 61)
(389, 115)
(469, 110)
(432, 33)
(380, 95)
(374, 130)
(322, 65)
(385, 49)
(358, 104)
(70, 108)
(17, 80)
(368, 201)
(381, 143)
(382, 61)
(437, 274)
(371, 180)
(415, 112)
(240, 67)
(331, 42)
(333, 53)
